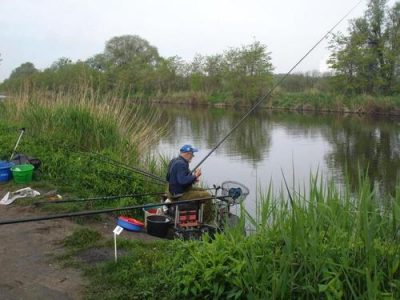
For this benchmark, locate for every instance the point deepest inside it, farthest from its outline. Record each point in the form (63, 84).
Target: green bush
(326, 245)
(69, 133)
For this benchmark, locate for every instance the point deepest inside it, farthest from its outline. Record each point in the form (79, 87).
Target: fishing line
(273, 88)
(98, 198)
(125, 176)
(102, 211)
(104, 198)
(116, 163)
(119, 164)
(106, 159)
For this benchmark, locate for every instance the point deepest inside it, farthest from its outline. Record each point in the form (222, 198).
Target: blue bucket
(5, 171)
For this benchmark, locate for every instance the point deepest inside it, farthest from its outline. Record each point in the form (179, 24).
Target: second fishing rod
(103, 158)
(105, 198)
(115, 163)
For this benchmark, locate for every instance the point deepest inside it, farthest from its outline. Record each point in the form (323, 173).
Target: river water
(269, 143)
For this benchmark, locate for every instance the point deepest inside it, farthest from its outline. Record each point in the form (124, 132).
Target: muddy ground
(28, 269)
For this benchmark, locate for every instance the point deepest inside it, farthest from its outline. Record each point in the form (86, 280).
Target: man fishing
(181, 180)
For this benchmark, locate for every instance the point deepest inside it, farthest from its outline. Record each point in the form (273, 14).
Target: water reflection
(301, 143)
(208, 126)
(371, 145)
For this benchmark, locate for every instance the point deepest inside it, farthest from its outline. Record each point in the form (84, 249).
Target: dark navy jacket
(179, 176)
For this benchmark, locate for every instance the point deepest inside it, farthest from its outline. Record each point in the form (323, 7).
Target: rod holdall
(20, 159)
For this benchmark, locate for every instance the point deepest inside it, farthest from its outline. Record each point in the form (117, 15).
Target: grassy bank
(63, 129)
(327, 244)
(315, 101)
(300, 101)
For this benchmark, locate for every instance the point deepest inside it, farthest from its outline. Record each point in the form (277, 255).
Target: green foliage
(129, 49)
(131, 66)
(325, 245)
(75, 172)
(61, 131)
(304, 82)
(240, 73)
(143, 273)
(23, 71)
(366, 60)
(248, 71)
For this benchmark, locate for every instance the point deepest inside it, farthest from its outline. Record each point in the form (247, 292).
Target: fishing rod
(111, 161)
(16, 145)
(125, 176)
(97, 198)
(104, 198)
(119, 164)
(272, 89)
(103, 211)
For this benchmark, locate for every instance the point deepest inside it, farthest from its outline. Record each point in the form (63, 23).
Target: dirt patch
(97, 255)
(28, 251)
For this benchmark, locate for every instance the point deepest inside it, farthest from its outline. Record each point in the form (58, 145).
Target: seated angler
(181, 180)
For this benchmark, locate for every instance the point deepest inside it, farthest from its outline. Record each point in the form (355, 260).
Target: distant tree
(247, 71)
(240, 73)
(130, 64)
(97, 62)
(214, 70)
(303, 82)
(60, 63)
(170, 74)
(196, 73)
(367, 59)
(127, 49)
(24, 70)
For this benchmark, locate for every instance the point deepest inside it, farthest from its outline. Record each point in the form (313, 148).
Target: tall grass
(327, 244)
(318, 101)
(60, 124)
(87, 119)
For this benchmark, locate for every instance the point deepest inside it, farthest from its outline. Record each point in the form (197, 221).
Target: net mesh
(234, 192)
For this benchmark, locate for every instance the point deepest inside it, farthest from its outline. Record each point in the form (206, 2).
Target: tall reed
(60, 124)
(327, 244)
(87, 118)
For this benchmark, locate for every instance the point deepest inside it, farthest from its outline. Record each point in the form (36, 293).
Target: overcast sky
(41, 31)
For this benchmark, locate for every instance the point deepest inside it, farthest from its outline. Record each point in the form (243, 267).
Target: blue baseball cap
(188, 148)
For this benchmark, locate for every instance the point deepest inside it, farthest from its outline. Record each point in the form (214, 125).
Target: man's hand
(197, 173)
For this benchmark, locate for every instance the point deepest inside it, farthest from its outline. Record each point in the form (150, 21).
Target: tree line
(366, 60)
(131, 65)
